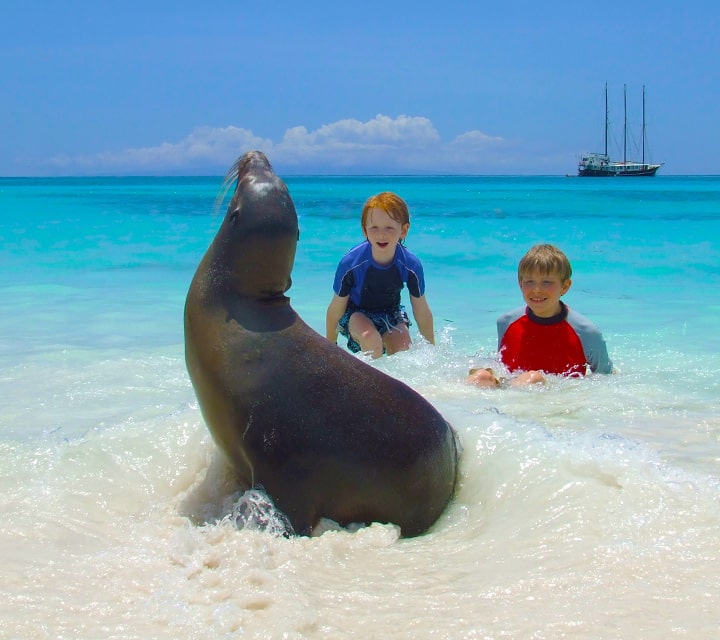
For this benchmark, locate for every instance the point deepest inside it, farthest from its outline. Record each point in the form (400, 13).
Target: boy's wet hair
(390, 203)
(545, 259)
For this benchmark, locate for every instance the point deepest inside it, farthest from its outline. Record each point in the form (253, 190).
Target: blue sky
(470, 87)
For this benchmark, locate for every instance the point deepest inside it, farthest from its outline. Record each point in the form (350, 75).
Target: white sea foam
(573, 500)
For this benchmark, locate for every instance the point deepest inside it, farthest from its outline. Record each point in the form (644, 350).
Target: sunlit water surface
(585, 509)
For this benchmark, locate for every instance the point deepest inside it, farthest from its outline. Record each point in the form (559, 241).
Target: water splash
(254, 510)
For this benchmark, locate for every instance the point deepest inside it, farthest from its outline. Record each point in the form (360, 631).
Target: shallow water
(586, 508)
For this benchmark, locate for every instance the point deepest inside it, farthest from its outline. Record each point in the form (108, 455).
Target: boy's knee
(370, 336)
(482, 377)
(397, 341)
(370, 342)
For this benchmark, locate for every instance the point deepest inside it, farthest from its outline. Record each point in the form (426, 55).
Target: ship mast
(643, 128)
(606, 121)
(625, 125)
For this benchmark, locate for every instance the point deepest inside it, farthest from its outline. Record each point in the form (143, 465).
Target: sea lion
(324, 433)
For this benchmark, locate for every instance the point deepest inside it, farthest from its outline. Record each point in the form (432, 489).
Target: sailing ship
(598, 165)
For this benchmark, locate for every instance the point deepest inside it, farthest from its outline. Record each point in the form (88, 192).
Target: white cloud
(405, 144)
(382, 141)
(381, 131)
(204, 146)
(479, 140)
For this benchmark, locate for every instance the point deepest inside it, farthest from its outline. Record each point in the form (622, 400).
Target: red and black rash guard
(565, 344)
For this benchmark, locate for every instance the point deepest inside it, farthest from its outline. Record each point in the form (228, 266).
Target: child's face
(542, 292)
(384, 233)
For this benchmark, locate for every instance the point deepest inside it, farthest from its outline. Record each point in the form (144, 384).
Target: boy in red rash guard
(545, 336)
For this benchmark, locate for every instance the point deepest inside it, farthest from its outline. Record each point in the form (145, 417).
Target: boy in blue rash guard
(366, 306)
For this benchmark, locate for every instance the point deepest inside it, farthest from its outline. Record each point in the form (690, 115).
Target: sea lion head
(255, 246)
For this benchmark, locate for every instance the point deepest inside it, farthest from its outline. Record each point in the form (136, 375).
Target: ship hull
(619, 173)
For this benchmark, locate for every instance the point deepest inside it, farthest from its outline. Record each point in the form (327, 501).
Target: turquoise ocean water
(587, 508)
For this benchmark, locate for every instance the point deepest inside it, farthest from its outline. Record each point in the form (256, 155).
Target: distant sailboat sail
(599, 165)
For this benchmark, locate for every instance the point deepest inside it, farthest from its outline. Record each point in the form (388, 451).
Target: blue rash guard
(375, 287)
(565, 344)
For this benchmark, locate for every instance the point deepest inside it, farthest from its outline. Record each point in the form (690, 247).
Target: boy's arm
(335, 311)
(599, 359)
(423, 317)
(593, 343)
